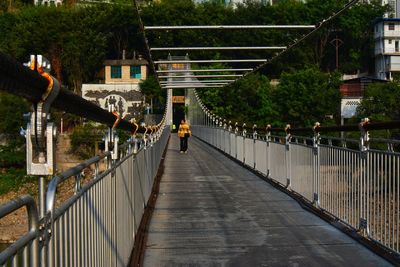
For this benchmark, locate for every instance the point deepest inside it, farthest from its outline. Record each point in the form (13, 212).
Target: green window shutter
(116, 72)
(136, 72)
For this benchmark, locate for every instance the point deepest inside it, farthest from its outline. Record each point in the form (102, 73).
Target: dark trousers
(184, 143)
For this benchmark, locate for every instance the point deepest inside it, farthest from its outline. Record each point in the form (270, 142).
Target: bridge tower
(176, 103)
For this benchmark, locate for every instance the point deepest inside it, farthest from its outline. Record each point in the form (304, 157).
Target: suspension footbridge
(242, 196)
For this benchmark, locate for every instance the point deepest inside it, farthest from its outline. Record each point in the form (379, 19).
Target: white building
(387, 47)
(48, 2)
(120, 88)
(395, 6)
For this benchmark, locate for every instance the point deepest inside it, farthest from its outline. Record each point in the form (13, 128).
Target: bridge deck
(213, 212)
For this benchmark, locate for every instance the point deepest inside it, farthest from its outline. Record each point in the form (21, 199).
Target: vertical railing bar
(103, 207)
(382, 199)
(96, 258)
(84, 230)
(65, 237)
(71, 235)
(389, 202)
(25, 254)
(398, 204)
(81, 231)
(75, 236)
(14, 260)
(385, 201)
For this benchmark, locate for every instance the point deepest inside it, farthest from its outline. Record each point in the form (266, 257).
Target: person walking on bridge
(184, 133)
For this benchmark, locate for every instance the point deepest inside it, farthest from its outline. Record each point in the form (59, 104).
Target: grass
(12, 179)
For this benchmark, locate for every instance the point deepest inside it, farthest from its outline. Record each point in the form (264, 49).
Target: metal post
(42, 197)
(244, 133)
(288, 139)
(254, 145)
(364, 187)
(268, 140)
(316, 164)
(236, 136)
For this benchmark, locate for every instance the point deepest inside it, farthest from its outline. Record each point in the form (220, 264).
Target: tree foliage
(307, 96)
(381, 102)
(77, 40)
(152, 90)
(12, 109)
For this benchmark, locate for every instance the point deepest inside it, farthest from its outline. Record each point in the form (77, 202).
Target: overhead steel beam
(218, 48)
(198, 81)
(306, 36)
(210, 61)
(192, 86)
(228, 27)
(203, 70)
(200, 76)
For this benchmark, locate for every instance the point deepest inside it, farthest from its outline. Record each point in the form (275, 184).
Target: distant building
(387, 47)
(120, 88)
(394, 6)
(352, 91)
(48, 2)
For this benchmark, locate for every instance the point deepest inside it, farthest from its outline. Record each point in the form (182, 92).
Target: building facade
(387, 47)
(394, 6)
(121, 87)
(48, 2)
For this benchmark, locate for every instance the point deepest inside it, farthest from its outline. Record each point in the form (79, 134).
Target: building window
(136, 72)
(391, 26)
(116, 72)
(390, 41)
(396, 46)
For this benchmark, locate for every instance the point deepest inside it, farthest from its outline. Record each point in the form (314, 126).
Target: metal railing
(98, 224)
(347, 179)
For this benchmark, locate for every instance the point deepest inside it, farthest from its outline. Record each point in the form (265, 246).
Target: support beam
(203, 70)
(194, 84)
(228, 27)
(218, 48)
(190, 86)
(210, 61)
(201, 76)
(199, 81)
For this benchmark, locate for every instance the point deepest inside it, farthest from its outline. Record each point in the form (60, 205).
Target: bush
(11, 157)
(13, 179)
(84, 138)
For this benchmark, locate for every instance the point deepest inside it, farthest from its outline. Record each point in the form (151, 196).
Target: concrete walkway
(213, 212)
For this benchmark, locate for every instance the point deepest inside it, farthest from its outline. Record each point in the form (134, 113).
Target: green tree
(152, 90)
(248, 100)
(12, 109)
(307, 96)
(380, 102)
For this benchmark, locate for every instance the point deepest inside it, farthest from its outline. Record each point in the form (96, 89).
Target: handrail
(52, 186)
(365, 125)
(33, 220)
(323, 129)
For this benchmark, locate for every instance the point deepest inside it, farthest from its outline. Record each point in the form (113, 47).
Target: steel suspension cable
(146, 41)
(22, 81)
(319, 26)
